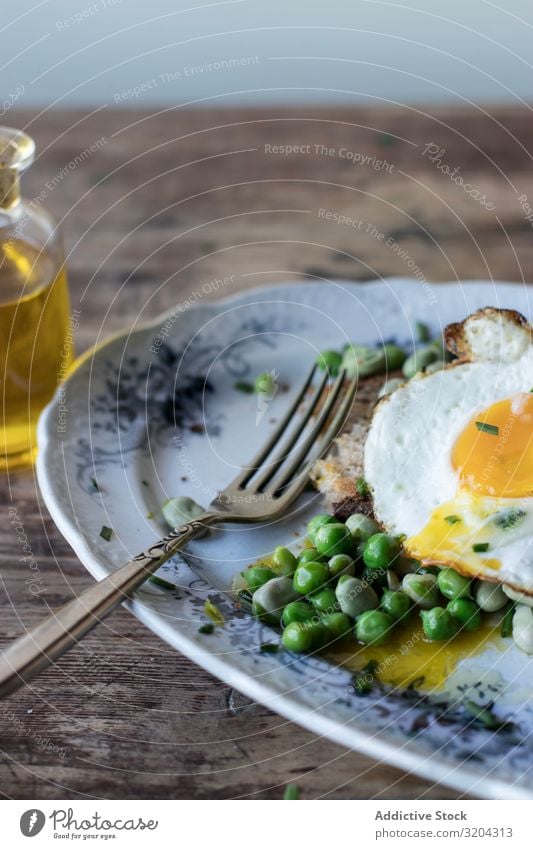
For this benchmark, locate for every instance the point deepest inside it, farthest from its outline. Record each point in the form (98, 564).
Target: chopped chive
(488, 428)
(208, 628)
(269, 648)
(95, 486)
(423, 333)
(106, 533)
(145, 483)
(292, 791)
(452, 520)
(362, 487)
(244, 386)
(507, 622)
(480, 546)
(212, 611)
(160, 582)
(484, 715)
(149, 515)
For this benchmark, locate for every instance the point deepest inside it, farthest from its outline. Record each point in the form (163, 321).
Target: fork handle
(55, 635)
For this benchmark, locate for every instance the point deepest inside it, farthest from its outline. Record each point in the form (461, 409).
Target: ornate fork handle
(56, 634)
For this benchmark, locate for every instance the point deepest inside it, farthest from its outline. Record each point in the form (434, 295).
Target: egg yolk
(494, 453)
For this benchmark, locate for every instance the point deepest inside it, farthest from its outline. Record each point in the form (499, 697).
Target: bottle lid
(16, 153)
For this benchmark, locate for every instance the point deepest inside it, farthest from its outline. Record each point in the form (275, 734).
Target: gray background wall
(90, 52)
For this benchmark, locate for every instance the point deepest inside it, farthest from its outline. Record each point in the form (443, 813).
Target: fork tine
(314, 438)
(280, 457)
(244, 476)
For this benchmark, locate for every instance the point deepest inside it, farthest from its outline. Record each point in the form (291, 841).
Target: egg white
(408, 459)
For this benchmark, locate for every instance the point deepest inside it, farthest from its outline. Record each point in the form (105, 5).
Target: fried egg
(449, 455)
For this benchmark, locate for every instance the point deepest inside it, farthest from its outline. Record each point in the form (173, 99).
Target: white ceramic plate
(155, 413)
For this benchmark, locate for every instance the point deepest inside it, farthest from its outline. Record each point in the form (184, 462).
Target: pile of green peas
(354, 580)
(429, 355)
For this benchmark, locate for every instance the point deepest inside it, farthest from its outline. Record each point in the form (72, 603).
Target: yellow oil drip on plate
(410, 659)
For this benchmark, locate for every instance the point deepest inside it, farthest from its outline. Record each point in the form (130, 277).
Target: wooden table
(153, 206)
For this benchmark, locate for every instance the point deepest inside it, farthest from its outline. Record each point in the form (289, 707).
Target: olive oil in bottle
(35, 334)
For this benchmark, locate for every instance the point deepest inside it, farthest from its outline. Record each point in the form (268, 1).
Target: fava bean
(355, 596)
(514, 595)
(422, 589)
(523, 628)
(269, 600)
(490, 597)
(361, 527)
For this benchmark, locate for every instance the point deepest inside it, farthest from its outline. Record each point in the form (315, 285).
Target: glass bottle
(35, 334)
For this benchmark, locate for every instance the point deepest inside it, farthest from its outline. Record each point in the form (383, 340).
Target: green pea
(390, 386)
(333, 538)
(337, 625)
(362, 361)
(341, 564)
(361, 527)
(452, 584)
(296, 637)
(396, 603)
(419, 360)
(394, 356)
(466, 612)
(381, 550)
(422, 589)
(297, 611)
(325, 601)
(309, 554)
(284, 561)
(373, 627)
(316, 522)
(256, 576)
(330, 361)
(310, 577)
(438, 624)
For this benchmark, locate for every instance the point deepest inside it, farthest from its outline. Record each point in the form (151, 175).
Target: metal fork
(261, 491)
